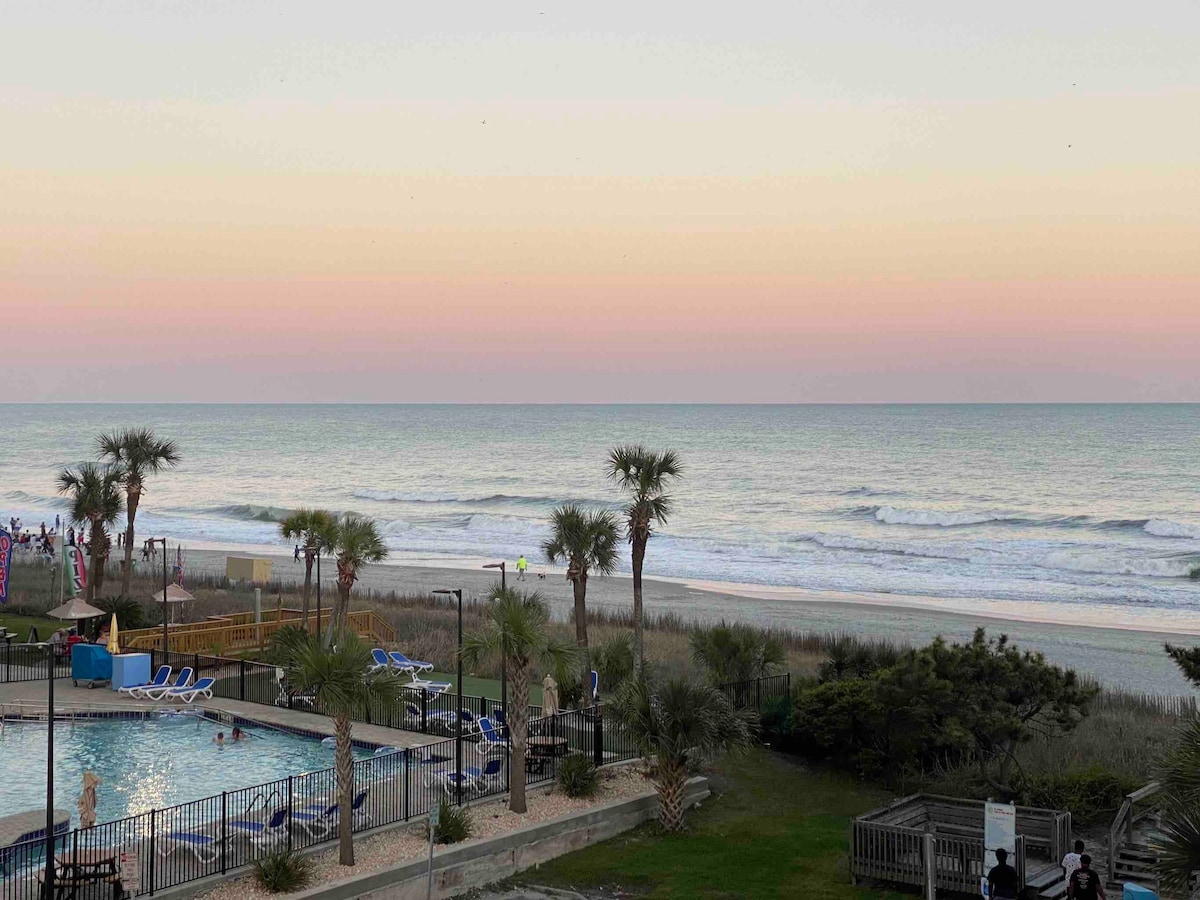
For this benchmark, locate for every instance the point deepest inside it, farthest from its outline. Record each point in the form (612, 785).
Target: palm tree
(517, 629)
(736, 652)
(95, 494)
(1178, 841)
(313, 528)
(678, 723)
(138, 451)
(354, 541)
(587, 542)
(643, 476)
(344, 691)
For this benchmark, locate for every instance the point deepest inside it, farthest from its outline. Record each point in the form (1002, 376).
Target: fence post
(224, 830)
(289, 830)
(930, 861)
(8, 662)
(404, 762)
(241, 679)
(598, 738)
(196, 664)
(153, 853)
(424, 711)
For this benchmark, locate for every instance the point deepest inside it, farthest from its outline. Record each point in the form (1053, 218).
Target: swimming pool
(146, 764)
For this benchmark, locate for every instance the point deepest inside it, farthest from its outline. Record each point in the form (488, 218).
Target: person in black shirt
(1084, 883)
(1003, 883)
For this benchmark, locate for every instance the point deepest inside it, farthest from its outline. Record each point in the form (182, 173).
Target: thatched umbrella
(75, 609)
(175, 594)
(87, 800)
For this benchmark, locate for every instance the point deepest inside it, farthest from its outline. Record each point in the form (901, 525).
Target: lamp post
(49, 880)
(318, 598)
(458, 713)
(503, 657)
(163, 541)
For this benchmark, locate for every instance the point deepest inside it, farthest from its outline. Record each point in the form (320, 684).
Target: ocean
(1033, 505)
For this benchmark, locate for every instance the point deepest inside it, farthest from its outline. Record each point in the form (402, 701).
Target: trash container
(90, 663)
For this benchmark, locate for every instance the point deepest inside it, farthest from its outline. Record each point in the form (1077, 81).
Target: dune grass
(772, 829)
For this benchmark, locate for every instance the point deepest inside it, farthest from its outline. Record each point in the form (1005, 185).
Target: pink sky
(833, 205)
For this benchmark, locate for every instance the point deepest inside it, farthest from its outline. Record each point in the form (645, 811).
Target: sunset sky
(789, 201)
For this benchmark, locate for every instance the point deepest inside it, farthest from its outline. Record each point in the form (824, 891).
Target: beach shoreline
(1118, 649)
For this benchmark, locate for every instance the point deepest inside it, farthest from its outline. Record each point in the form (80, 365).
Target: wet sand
(1127, 652)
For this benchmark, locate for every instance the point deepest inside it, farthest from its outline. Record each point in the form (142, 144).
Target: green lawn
(772, 829)
(486, 687)
(21, 624)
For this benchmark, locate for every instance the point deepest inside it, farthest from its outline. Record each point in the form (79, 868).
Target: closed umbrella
(549, 697)
(87, 800)
(113, 647)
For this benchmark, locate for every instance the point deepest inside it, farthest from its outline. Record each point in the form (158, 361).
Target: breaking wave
(890, 515)
(1167, 528)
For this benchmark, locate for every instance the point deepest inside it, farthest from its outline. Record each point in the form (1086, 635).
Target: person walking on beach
(296, 555)
(1002, 880)
(522, 565)
(1084, 884)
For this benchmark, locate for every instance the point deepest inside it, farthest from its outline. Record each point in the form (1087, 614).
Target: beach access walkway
(68, 699)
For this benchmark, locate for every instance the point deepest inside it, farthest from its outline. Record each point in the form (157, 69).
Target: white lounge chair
(202, 688)
(161, 679)
(160, 691)
(264, 835)
(404, 664)
(382, 661)
(205, 847)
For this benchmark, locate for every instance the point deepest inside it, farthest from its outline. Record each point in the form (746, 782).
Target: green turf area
(485, 687)
(772, 829)
(21, 624)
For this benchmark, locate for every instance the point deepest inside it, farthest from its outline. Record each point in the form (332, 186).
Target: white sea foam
(1167, 528)
(890, 515)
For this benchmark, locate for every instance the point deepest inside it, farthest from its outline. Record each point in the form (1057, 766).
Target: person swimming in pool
(238, 734)
(219, 740)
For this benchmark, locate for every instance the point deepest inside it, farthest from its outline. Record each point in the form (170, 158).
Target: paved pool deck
(67, 697)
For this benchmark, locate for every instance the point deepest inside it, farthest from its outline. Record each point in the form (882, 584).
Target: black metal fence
(168, 847)
(253, 682)
(31, 662)
(752, 694)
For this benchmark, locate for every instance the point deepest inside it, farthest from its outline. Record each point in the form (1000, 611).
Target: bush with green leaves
(613, 660)
(283, 872)
(1092, 794)
(577, 776)
(454, 825)
(737, 652)
(129, 612)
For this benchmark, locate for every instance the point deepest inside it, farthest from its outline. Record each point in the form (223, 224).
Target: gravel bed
(489, 817)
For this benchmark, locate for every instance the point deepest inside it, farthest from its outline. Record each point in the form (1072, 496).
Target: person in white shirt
(1071, 861)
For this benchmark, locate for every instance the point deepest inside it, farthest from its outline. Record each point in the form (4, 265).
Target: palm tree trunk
(344, 766)
(97, 554)
(340, 614)
(519, 729)
(309, 556)
(581, 633)
(669, 783)
(131, 506)
(639, 556)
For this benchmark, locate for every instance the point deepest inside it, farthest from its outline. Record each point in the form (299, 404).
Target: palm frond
(585, 539)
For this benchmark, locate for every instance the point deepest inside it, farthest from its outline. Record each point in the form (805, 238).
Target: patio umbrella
(75, 609)
(113, 647)
(549, 697)
(87, 800)
(175, 594)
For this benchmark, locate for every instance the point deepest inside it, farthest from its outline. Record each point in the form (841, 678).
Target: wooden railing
(240, 635)
(1121, 832)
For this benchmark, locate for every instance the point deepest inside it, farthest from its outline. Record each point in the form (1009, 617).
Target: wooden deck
(238, 632)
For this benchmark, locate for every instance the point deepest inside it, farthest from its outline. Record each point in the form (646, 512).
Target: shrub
(283, 871)
(577, 776)
(613, 660)
(737, 652)
(454, 825)
(777, 720)
(1092, 794)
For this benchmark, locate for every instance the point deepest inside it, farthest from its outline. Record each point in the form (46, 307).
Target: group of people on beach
(1083, 882)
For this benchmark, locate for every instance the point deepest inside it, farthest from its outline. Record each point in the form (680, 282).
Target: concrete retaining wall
(476, 863)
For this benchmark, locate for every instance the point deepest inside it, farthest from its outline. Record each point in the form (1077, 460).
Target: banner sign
(75, 571)
(6, 551)
(999, 833)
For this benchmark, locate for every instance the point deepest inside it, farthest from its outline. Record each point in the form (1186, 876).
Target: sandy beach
(1125, 652)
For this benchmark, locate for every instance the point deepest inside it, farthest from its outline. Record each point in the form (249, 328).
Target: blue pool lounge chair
(205, 847)
(404, 664)
(321, 819)
(491, 737)
(382, 662)
(161, 677)
(158, 692)
(264, 835)
(202, 688)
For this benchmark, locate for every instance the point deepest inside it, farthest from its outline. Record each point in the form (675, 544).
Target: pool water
(146, 764)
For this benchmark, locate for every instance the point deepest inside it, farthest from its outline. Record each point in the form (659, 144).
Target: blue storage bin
(90, 663)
